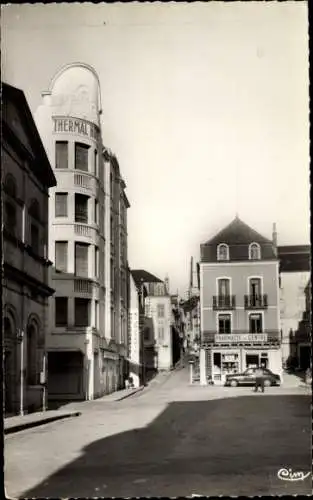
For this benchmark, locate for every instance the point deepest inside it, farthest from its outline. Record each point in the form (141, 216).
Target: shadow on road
(227, 447)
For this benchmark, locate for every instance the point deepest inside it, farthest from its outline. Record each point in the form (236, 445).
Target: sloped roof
(142, 276)
(237, 232)
(41, 167)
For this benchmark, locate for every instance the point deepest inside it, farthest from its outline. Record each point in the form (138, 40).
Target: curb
(27, 425)
(131, 393)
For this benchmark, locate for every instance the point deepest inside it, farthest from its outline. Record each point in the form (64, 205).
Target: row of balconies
(228, 302)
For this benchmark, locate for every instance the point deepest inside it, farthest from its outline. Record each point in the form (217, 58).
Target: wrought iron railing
(221, 302)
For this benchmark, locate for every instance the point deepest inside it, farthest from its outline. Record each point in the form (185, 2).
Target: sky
(206, 106)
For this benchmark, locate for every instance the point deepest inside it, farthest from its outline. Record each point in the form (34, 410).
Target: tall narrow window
(61, 204)
(96, 170)
(161, 333)
(61, 256)
(81, 259)
(81, 208)
(160, 310)
(82, 312)
(34, 238)
(61, 307)
(32, 334)
(81, 156)
(254, 251)
(224, 287)
(255, 323)
(61, 154)
(96, 262)
(96, 213)
(224, 323)
(10, 217)
(255, 292)
(222, 252)
(96, 313)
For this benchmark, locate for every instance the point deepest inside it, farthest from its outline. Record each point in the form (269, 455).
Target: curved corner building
(86, 349)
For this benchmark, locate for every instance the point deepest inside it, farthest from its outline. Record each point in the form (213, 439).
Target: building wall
(162, 329)
(135, 340)
(292, 307)
(25, 278)
(71, 113)
(239, 274)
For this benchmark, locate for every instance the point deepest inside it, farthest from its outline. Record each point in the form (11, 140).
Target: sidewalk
(73, 409)
(22, 422)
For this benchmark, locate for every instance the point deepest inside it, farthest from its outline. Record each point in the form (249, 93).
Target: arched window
(10, 186)
(34, 210)
(222, 252)
(254, 251)
(10, 206)
(31, 359)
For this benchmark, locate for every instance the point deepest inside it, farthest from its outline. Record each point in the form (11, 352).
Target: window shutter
(82, 307)
(61, 154)
(61, 255)
(81, 259)
(81, 157)
(61, 204)
(61, 311)
(81, 208)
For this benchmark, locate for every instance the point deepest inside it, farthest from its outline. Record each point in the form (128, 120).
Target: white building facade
(83, 355)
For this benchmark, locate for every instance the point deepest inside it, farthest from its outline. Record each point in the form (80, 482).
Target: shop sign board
(241, 337)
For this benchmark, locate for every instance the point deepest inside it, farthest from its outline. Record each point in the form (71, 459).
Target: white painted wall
(292, 305)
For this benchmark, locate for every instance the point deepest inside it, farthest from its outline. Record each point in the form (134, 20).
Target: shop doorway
(252, 360)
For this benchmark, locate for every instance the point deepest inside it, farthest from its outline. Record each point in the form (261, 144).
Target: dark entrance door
(305, 357)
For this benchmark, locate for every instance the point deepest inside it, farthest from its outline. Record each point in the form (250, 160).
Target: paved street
(168, 440)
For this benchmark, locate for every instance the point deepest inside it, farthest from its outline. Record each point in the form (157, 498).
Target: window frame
(86, 264)
(261, 316)
(65, 196)
(59, 269)
(57, 323)
(218, 255)
(258, 248)
(88, 315)
(219, 315)
(65, 165)
(83, 147)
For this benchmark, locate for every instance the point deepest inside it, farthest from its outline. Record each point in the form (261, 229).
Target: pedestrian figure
(259, 379)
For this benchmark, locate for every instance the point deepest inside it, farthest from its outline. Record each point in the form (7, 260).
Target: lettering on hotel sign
(242, 337)
(75, 126)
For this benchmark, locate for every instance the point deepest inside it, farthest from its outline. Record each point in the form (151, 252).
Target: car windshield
(250, 371)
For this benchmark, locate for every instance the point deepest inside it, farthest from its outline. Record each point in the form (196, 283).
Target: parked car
(248, 378)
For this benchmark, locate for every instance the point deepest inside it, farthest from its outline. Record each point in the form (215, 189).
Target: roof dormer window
(222, 252)
(254, 251)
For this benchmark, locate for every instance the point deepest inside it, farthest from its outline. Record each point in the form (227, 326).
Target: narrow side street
(171, 439)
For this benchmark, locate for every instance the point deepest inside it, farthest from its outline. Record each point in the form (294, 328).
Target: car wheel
(233, 383)
(267, 383)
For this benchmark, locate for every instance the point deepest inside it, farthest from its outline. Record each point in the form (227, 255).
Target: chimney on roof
(274, 238)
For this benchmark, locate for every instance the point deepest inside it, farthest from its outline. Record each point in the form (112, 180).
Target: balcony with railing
(256, 301)
(224, 302)
(238, 337)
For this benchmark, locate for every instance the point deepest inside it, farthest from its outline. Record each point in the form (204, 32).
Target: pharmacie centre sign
(75, 126)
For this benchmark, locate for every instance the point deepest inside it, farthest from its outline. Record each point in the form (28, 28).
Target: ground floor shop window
(225, 363)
